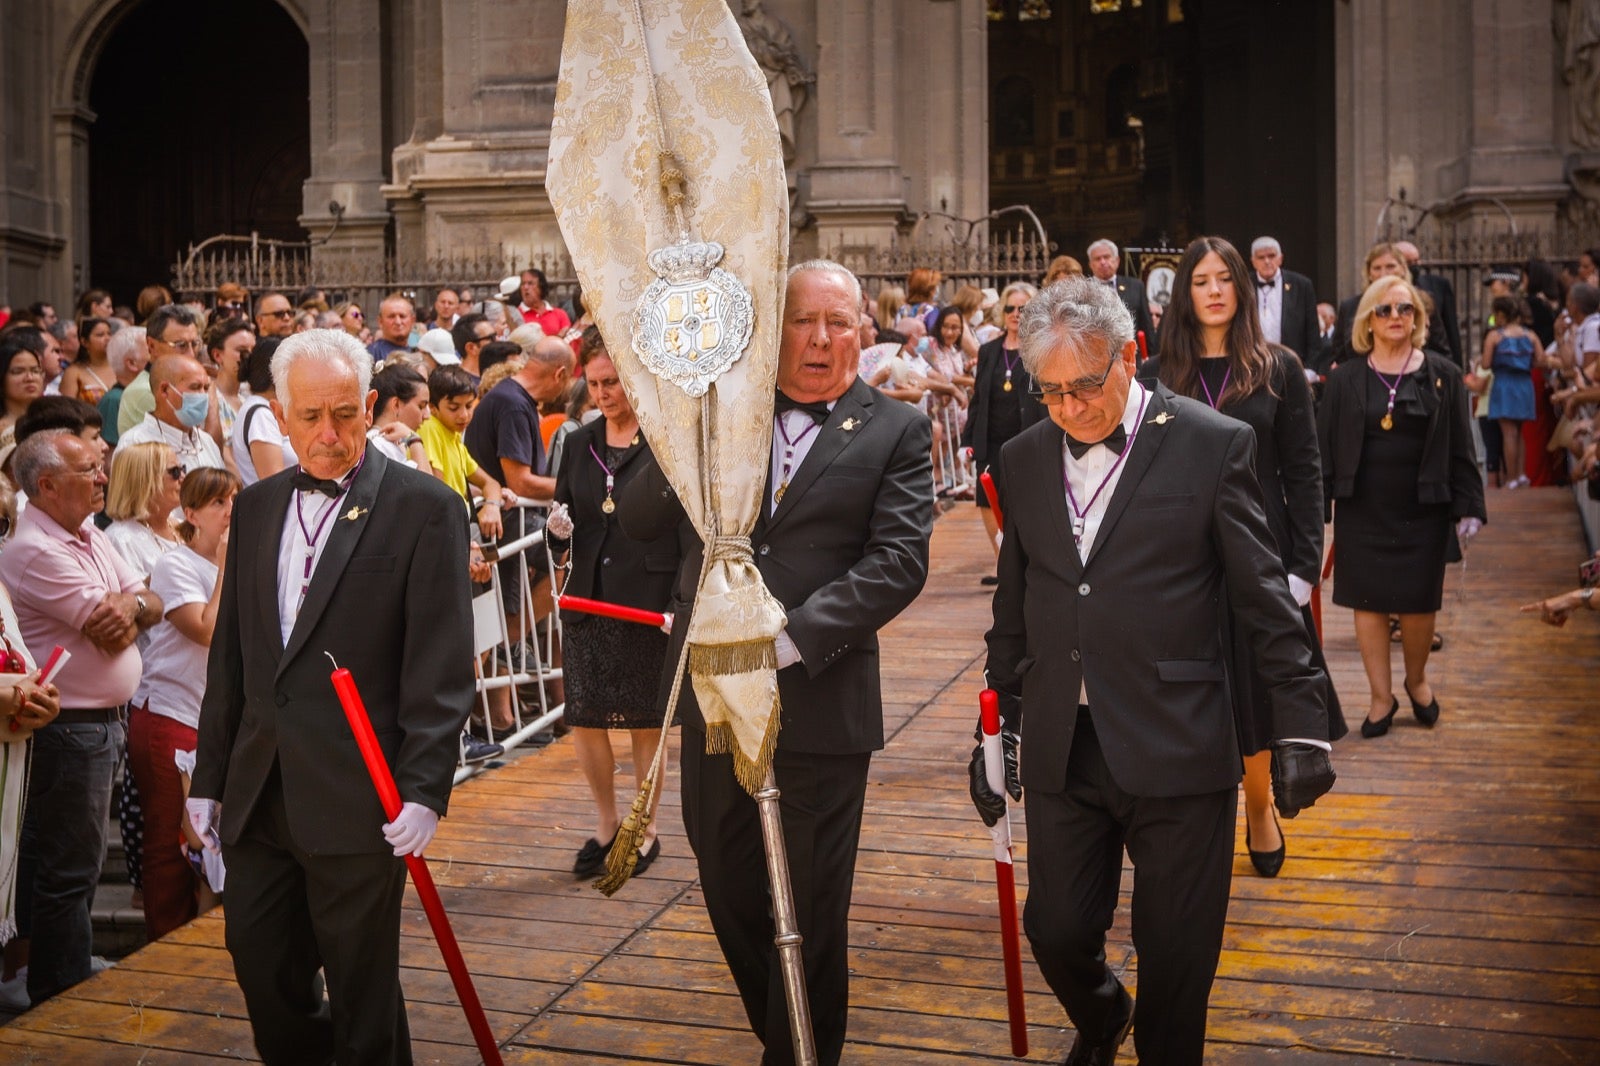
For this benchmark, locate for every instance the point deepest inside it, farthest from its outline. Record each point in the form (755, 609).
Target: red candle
(987, 481)
(613, 610)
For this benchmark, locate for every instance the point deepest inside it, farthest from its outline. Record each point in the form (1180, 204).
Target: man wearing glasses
(71, 588)
(274, 316)
(171, 329)
(1134, 538)
(182, 391)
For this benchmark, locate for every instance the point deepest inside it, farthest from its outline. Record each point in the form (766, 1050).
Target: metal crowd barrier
(515, 661)
(956, 475)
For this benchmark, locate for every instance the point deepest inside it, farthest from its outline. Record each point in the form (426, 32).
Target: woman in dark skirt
(612, 669)
(1001, 406)
(1212, 350)
(1399, 466)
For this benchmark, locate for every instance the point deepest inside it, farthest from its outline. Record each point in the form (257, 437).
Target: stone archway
(167, 133)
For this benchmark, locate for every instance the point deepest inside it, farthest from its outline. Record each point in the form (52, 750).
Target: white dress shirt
(316, 511)
(800, 428)
(1269, 302)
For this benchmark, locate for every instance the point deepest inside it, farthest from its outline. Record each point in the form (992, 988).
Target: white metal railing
(525, 657)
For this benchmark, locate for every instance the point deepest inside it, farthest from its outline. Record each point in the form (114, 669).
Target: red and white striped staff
(1005, 880)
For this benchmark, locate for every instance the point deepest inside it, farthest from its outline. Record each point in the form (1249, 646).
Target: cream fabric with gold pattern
(604, 179)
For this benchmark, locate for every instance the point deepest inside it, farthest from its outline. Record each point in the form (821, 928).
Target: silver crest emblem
(695, 319)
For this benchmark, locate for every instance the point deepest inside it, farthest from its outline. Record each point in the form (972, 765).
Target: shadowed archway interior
(202, 127)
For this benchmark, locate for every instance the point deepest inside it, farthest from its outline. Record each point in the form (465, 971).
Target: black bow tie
(306, 483)
(817, 410)
(1266, 283)
(1116, 442)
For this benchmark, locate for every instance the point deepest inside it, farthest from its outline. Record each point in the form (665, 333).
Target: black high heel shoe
(1371, 729)
(1267, 863)
(1426, 715)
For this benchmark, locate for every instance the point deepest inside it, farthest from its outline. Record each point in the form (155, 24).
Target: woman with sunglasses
(1213, 350)
(352, 319)
(1001, 406)
(1399, 464)
(141, 498)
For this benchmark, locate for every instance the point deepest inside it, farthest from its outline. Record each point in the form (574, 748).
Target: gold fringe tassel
(624, 854)
(741, 658)
(752, 775)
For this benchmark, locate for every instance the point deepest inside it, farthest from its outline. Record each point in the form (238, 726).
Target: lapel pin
(1161, 419)
(354, 513)
(849, 424)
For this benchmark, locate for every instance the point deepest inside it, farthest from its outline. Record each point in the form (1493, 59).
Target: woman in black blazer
(1001, 406)
(611, 668)
(1212, 350)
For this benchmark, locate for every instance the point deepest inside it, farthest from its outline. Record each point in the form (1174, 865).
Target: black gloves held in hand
(992, 808)
(1301, 775)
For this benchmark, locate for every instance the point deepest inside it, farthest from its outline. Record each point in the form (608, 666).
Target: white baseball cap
(511, 286)
(440, 346)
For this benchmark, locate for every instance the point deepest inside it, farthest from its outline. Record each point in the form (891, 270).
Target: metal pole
(787, 937)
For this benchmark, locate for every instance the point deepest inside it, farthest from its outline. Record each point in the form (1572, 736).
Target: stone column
(71, 129)
(347, 111)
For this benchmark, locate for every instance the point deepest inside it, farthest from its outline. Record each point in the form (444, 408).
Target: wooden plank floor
(1442, 906)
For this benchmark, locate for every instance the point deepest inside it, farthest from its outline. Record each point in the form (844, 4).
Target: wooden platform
(1443, 905)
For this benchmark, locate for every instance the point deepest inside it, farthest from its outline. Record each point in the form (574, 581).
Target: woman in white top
(401, 408)
(229, 342)
(260, 448)
(140, 499)
(166, 708)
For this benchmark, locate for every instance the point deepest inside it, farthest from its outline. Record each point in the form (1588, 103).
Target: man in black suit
(843, 544)
(1286, 302)
(1135, 537)
(364, 559)
(1444, 327)
(1103, 261)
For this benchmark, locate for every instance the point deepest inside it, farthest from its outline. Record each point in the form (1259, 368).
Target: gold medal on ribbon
(1388, 421)
(1007, 385)
(609, 505)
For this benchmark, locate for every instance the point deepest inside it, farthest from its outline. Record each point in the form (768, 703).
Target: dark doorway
(202, 127)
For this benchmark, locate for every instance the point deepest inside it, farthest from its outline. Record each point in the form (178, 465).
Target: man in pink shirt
(71, 588)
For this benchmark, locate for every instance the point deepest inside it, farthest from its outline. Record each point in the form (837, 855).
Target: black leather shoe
(1370, 729)
(648, 857)
(1267, 863)
(1426, 715)
(592, 856)
(1104, 1053)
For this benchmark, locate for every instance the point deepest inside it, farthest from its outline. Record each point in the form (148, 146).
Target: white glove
(788, 654)
(666, 626)
(1300, 589)
(559, 522)
(999, 538)
(412, 829)
(1468, 528)
(203, 816)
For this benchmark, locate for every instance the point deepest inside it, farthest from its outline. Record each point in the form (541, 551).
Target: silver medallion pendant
(695, 319)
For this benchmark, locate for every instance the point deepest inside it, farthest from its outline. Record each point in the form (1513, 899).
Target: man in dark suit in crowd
(1104, 259)
(1444, 327)
(365, 560)
(1135, 537)
(1286, 302)
(842, 543)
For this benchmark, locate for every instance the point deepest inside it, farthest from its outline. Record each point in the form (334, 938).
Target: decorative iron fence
(992, 262)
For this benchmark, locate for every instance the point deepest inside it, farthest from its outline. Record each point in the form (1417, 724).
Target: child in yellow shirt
(453, 396)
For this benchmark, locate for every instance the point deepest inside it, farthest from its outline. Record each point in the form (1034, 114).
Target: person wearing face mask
(182, 391)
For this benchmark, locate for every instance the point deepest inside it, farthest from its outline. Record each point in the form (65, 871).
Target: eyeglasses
(91, 472)
(1386, 310)
(353, 313)
(191, 347)
(175, 472)
(25, 372)
(1050, 396)
(1012, 309)
(485, 339)
(285, 313)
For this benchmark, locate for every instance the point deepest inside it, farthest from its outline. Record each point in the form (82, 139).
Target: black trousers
(821, 804)
(290, 914)
(1182, 853)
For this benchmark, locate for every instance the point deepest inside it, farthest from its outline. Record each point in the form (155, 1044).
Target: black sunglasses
(175, 473)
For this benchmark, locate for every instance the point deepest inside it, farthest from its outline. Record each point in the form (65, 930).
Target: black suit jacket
(1301, 332)
(1184, 542)
(1131, 292)
(390, 601)
(845, 551)
(991, 364)
(1444, 328)
(608, 564)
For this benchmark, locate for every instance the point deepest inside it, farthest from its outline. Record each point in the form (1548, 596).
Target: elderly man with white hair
(1104, 258)
(357, 557)
(1286, 302)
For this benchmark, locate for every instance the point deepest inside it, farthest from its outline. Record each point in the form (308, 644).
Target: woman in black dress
(1001, 407)
(1212, 350)
(1399, 465)
(612, 668)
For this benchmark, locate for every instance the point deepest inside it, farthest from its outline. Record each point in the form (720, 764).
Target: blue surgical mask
(196, 405)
